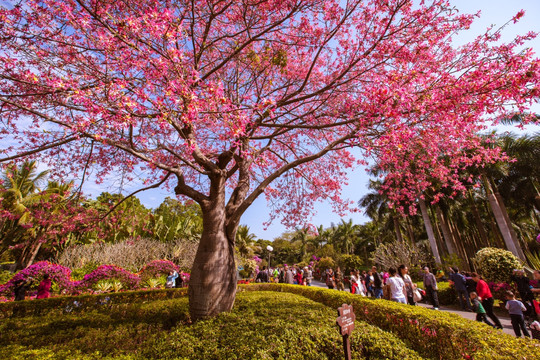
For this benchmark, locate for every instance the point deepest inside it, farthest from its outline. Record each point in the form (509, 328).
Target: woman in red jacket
(482, 289)
(44, 288)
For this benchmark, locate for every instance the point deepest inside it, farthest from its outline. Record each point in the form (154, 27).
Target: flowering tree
(227, 100)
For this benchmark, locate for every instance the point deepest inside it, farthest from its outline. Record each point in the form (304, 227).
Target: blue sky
(493, 12)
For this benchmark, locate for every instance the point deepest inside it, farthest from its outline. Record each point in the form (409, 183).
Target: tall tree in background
(224, 101)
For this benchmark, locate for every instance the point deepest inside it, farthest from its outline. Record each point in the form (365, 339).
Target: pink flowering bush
(157, 268)
(498, 290)
(59, 275)
(106, 272)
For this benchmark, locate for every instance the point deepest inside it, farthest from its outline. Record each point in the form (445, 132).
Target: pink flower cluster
(157, 268)
(104, 272)
(58, 274)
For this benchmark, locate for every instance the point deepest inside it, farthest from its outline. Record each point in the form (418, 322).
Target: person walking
(479, 309)
(308, 275)
(339, 279)
(262, 276)
(398, 291)
(377, 283)
(525, 292)
(288, 275)
(44, 288)
(460, 286)
(403, 272)
(330, 279)
(430, 284)
(515, 309)
(482, 289)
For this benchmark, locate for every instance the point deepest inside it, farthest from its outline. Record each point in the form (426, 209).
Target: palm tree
(245, 242)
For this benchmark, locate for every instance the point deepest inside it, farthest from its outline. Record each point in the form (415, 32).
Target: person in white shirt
(397, 287)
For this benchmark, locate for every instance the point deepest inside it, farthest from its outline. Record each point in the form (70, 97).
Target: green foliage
(433, 335)
(5, 276)
(496, 264)
(325, 263)
(155, 283)
(350, 262)
(87, 268)
(103, 286)
(299, 329)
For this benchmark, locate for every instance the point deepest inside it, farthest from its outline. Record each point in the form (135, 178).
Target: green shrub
(496, 264)
(263, 325)
(82, 303)
(5, 276)
(350, 262)
(438, 335)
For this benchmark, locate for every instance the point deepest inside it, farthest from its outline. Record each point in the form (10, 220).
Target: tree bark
(429, 230)
(212, 286)
(397, 228)
(504, 227)
(447, 235)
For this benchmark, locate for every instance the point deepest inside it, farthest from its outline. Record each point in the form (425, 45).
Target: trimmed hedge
(438, 335)
(262, 326)
(80, 303)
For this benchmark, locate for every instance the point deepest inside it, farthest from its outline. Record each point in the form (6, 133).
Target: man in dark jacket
(262, 276)
(377, 283)
(524, 289)
(460, 285)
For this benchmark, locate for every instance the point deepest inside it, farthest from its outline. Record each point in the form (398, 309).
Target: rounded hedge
(496, 265)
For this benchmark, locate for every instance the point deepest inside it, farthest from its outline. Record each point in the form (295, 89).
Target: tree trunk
(429, 230)
(504, 227)
(515, 238)
(447, 235)
(212, 286)
(396, 228)
(478, 221)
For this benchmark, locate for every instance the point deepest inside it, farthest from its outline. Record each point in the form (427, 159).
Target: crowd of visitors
(396, 284)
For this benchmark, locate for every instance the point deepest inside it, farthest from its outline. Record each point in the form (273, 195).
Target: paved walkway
(505, 321)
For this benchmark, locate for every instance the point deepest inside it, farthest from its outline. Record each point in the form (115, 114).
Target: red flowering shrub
(157, 268)
(106, 272)
(59, 275)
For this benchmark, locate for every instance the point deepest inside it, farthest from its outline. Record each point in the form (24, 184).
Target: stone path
(505, 321)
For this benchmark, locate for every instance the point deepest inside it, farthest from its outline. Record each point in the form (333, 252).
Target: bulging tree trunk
(212, 287)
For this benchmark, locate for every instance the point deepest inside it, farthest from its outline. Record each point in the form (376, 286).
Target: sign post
(345, 321)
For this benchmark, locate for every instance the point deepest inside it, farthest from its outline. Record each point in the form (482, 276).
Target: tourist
(524, 289)
(44, 288)
(308, 275)
(20, 288)
(398, 290)
(482, 289)
(298, 277)
(354, 282)
(460, 286)
(330, 279)
(262, 276)
(430, 285)
(479, 309)
(287, 275)
(377, 283)
(403, 272)
(515, 309)
(171, 279)
(179, 282)
(369, 283)
(339, 279)
(360, 282)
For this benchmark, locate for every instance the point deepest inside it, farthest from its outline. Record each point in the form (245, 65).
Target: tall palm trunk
(478, 220)
(429, 230)
(447, 234)
(502, 222)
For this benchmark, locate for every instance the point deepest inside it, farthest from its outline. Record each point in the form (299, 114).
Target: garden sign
(345, 321)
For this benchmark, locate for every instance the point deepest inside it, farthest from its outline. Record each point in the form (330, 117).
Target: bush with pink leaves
(59, 275)
(108, 272)
(157, 268)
